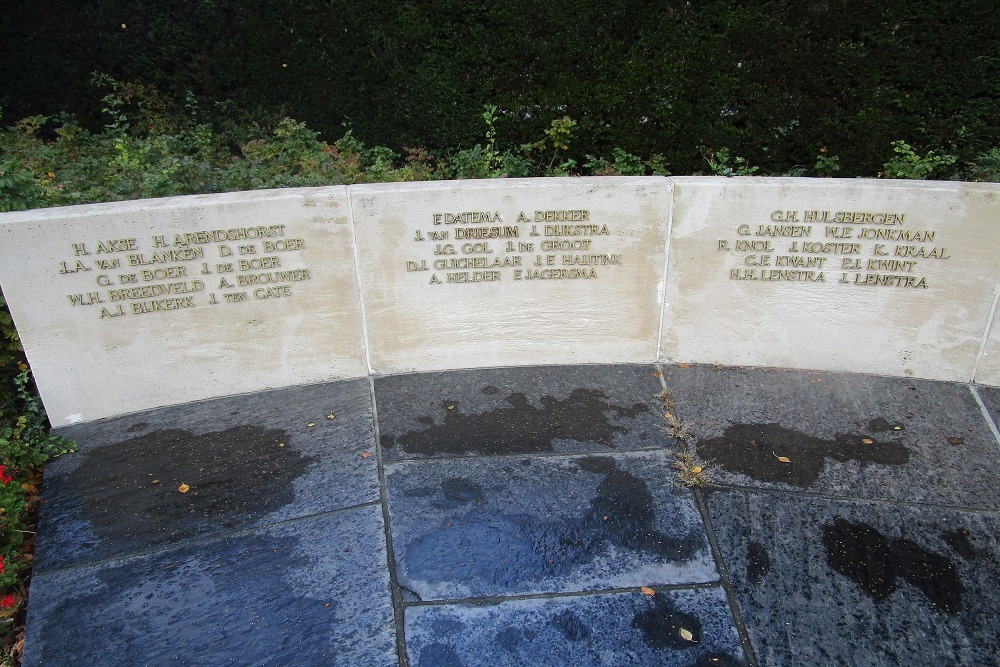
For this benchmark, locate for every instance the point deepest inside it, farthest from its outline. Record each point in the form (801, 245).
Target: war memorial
(599, 420)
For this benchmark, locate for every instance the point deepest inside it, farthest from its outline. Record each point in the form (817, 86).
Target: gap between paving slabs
(465, 528)
(893, 575)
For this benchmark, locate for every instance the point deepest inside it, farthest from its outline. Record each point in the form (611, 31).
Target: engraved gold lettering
(164, 273)
(562, 216)
(115, 245)
(261, 263)
(88, 299)
(284, 245)
(295, 275)
(559, 274)
(158, 305)
(272, 292)
(473, 276)
(166, 256)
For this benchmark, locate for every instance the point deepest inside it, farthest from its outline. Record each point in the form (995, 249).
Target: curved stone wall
(128, 306)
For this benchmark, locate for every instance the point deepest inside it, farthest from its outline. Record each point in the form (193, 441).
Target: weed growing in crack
(691, 470)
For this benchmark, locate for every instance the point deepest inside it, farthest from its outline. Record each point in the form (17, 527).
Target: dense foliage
(778, 83)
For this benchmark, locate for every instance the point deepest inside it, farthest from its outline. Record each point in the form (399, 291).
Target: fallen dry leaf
(183, 488)
(30, 488)
(686, 635)
(684, 365)
(656, 374)
(867, 441)
(954, 441)
(311, 424)
(451, 407)
(331, 416)
(646, 590)
(156, 481)
(696, 470)
(281, 444)
(783, 459)
(366, 455)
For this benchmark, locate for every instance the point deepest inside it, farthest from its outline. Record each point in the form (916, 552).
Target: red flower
(8, 601)
(4, 477)
(1, 564)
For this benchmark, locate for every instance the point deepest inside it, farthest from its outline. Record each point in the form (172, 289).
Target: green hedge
(775, 82)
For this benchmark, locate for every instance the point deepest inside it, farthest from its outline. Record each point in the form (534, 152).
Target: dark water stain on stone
(138, 426)
(234, 474)
(490, 390)
(758, 563)
(460, 491)
(753, 450)
(439, 655)
(874, 562)
(661, 625)
(570, 625)
(958, 540)
(506, 549)
(452, 493)
(510, 639)
(520, 427)
(882, 425)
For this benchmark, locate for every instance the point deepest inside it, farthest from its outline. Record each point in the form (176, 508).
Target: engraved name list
(133, 276)
(487, 247)
(842, 247)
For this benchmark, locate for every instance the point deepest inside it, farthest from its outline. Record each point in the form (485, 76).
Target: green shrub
(18, 190)
(721, 164)
(986, 166)
(907, 163)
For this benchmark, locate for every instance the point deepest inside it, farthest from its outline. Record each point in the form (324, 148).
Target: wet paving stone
(506, 526)
(824, 582)
(675, 627)
(847, 435)
(519, 411)
(311, 592)
(991, 399)
(246, 461)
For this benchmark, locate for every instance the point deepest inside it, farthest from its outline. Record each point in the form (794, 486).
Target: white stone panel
(307, 327)
(583, 290)
(915, 306)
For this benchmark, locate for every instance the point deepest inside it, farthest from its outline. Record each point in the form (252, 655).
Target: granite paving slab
(674, 627)
(308, 592)
(519, 411)
(846, 435)
(826, 582)
(246, 460)
(991, 399)
(508, 525)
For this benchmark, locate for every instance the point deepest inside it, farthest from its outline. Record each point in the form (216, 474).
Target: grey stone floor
(530, 517)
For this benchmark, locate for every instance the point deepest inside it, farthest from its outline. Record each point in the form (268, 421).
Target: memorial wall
(128, 306)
